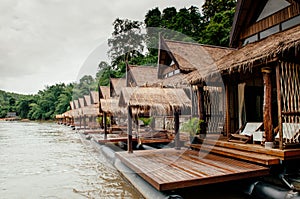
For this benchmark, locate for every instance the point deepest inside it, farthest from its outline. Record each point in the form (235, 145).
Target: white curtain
(241, 98)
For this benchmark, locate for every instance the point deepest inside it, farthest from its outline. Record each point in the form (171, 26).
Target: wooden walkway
(168, 169)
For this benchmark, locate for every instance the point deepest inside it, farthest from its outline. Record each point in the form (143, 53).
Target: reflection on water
(45, 160)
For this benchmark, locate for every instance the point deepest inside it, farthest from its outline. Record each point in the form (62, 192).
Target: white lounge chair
(245, 133)
(290, 132)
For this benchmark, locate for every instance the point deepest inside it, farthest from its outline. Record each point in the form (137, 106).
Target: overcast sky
(43, 42)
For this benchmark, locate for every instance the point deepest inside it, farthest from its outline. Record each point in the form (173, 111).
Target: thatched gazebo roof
(104, 92)
(175, 81)
(116, 84)
(111, 106)
(269, 49)
(143, 75)
(157, 100)
(81, 102)
(94, 97)
(194, 56)
(91, 110)
(87, 100)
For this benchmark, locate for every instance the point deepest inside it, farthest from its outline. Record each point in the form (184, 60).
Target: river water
(46, 160)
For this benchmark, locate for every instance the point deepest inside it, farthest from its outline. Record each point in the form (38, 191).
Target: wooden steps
(239, 154)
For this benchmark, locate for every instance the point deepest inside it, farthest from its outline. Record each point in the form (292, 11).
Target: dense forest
(210, 26)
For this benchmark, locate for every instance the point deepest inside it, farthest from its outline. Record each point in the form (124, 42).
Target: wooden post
(201, 110)
(129, 130)
(279, 107)
(268, 126)
(105, 124)
(136, 121)
(227, 107)
(176, 129)
(80, 118)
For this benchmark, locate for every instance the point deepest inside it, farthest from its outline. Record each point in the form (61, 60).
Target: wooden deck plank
(243, 155)
(168, 169)
(282, 154)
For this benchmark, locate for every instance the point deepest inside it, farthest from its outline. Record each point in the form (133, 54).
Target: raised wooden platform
(220, 141)
(168, 169)
(111, 138)
(239, 154)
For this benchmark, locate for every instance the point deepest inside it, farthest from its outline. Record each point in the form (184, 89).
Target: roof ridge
(199, 44)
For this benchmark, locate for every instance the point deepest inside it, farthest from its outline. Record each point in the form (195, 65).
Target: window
(290, 23)
(250, 39)
(269, 32)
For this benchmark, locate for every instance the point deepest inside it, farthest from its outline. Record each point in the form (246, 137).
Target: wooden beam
(129, 130)
(268, 126)
(279, 107)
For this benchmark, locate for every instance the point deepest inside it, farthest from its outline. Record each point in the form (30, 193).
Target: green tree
(218, 29)
(126, 42)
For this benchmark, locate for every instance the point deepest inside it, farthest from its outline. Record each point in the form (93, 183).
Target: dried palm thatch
(271, 48)
(94, 97)
(116, 85)
(87, 100)
(104, 92)
(175, 81)
(81, 102)
(91, 110)
(155, 100)
(111, 106)
(194, 56)
(143, 75)
(59, 116)
(76, 104)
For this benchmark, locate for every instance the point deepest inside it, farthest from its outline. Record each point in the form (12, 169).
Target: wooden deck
(221, 142)
(168, 169)
(111, 138)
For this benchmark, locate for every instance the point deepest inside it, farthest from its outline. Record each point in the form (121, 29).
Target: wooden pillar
(152, 124)
(201, 109)
(227, 109)
(80, 121)
(129, 130)
(105, 124)
(136, 122)
(268, 126)
(176, 129)
(279, 106)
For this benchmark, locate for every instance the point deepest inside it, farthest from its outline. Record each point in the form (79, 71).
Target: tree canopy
(129, 44)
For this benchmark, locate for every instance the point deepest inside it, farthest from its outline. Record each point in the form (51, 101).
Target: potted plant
(192, 127)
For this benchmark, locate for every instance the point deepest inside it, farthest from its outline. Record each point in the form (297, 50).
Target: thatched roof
(116, 85)
(91, 110)
(94, 97)
(111, 106)
(87, 100)
(81, 102)
(104, 92)
(72, 105)
(158, 100)
(175, 81)
(76, 104)
(271, 48)
(194, 56)
(143, 75)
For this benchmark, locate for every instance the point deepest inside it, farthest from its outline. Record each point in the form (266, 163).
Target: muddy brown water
(46, 160)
